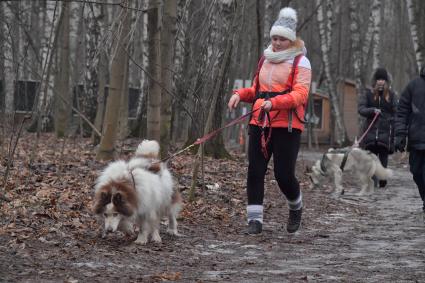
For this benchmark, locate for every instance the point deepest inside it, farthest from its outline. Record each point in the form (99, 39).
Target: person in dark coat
(410, 125)
(381, 101)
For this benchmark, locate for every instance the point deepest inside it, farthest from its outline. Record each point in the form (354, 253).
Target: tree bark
(341, 135)
(101, 16)
(62, 109)
(110, 126)
(168, 35)
(413, 21)
(154, 69)
(376, 16)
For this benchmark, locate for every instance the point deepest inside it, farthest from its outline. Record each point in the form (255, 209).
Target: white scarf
(280, 56)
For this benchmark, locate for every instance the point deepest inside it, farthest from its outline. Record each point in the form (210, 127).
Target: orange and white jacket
(273, 78)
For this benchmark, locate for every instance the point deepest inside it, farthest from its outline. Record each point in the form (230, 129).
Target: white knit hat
(286, 24)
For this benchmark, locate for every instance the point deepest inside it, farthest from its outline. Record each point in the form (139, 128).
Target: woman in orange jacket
(279, 96)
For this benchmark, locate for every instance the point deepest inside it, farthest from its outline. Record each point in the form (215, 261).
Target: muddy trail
(53, 236)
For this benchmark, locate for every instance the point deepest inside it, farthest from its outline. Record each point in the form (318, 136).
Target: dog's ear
(121, 205)
(101, 200)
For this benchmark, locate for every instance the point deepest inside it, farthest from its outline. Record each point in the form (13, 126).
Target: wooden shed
(322, 124)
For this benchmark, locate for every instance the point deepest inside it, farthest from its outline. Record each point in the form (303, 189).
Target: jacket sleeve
(247, 94)
(363, 107)
(299, 94)
(403, 112)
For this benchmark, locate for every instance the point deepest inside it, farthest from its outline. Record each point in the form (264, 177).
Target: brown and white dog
(126, 194)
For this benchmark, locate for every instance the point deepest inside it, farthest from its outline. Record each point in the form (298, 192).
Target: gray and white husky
(361, 162)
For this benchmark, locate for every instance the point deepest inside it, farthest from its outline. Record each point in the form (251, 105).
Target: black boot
(382, 183)
(254, 227)
(294, 220)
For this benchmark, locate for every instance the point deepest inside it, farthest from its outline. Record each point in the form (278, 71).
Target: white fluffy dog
(361, 162)
(126, 194)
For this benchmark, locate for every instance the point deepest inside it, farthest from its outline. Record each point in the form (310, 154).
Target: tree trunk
(154, 69)
(11, 49)
(376, 16)
(167, 55)
(110, 126)
(341, 135)
(100, 14)
(123, 118)
(259, 8)
(413, 20)
(63, 100)
(355, 44)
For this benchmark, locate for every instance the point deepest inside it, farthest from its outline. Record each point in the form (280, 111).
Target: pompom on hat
(286, 24)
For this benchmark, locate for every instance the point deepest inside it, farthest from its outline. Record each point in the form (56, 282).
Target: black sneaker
(294, 220)
(382, 183)
(254, 227)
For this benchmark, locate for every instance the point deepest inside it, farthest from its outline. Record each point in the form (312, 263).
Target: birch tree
(413, 21)
(376, 16)
(11, 48)
(341, 134)
(355, 44)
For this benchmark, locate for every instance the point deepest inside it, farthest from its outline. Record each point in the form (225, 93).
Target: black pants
(417, 168)
(284, 147)
(381, 152)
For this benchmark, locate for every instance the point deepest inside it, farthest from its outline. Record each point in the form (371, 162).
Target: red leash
(368, 129)
(210, 135)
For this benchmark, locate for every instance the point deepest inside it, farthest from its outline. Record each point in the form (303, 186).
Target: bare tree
(100, 16)
(154, 69)
(355, 44)
(413, 20)
(63, 95)
(107, 143)
(341, 134)
(376, 16)
(168, 35)
(11, 49)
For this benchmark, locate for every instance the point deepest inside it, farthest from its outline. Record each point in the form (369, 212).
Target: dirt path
(350, 239)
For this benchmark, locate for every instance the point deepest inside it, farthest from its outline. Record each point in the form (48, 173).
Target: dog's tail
(148, 149)
(381, 172)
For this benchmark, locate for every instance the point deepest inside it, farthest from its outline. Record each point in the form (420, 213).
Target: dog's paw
(156, 238)
(173, 232)
(141, 240)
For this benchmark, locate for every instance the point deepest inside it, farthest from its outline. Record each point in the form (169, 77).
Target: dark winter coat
(382, 131)
(410, 118)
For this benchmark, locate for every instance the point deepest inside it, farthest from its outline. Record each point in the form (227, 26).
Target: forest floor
(49, 234)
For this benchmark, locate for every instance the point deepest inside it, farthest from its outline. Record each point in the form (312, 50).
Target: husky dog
(127, 195)
(361, 162)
